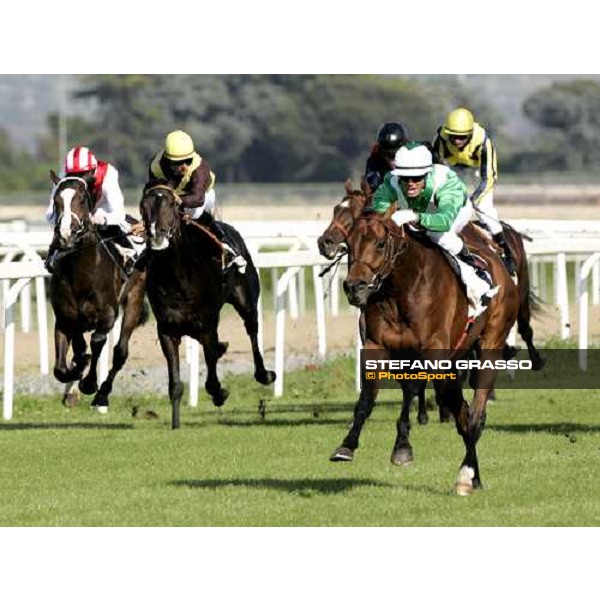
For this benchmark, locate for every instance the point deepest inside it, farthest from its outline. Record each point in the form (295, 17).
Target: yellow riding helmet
(178, 146)
(459, 122)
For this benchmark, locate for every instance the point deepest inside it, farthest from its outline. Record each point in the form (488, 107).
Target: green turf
(539, 458)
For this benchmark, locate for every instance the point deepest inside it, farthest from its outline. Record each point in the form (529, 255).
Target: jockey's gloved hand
(401, 217)
(99, 217)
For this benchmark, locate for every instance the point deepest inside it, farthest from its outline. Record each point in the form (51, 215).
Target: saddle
(480, 264)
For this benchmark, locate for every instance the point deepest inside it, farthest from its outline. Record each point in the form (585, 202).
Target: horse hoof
(88, 387)
(464, 482)
(222, 348)
(422, 418)
(70, 400)
(218, 399)
(101, 410)
(100, 401)
(445, 416)
(538, 363)
(402, 457)
(342, 455)
(265, 377)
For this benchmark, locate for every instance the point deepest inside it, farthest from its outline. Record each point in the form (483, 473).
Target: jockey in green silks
(435, 198)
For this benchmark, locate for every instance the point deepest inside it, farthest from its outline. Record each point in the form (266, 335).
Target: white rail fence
(556, 243)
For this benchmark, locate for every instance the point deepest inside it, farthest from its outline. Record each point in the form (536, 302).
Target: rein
(389, 260)
(189, 221)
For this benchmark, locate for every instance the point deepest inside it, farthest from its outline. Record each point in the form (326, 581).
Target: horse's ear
(365, 187)
(54, 177)
(348, 186)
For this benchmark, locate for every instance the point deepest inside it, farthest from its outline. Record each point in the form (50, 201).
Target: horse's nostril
(355, 287)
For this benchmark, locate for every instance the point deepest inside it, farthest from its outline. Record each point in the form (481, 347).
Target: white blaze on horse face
(157, 243)
(67, 216)
(344, 204)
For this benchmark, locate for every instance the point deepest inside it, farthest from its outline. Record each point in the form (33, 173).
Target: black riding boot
(233, 254)
(507, 256)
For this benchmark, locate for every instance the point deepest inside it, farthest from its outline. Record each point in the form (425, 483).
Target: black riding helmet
(391, 136)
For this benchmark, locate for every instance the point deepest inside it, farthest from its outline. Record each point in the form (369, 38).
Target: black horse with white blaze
(187, 287)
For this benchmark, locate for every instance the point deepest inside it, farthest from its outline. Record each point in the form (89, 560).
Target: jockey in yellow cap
(465, 146)
(191, 177)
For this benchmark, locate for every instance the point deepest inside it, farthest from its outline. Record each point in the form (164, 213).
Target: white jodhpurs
(449, 240)
(487, 214)
(210, 203)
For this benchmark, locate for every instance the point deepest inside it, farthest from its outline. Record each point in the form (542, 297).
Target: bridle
(345, 231)
(391, 253)
(176, 202)
(83, 225)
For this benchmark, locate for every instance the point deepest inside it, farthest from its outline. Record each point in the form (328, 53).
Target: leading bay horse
(85, 287)
(187, 287)
(414, 301)
(330, 243)
(335, 236)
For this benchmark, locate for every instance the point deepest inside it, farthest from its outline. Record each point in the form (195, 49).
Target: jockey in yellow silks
(465, 146)
(192, 179)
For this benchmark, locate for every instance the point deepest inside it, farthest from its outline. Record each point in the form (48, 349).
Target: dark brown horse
(187, 287)
(85, 287)
(414, 301)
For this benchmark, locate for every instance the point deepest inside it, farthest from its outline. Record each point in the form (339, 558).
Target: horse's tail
(535, 302)
(506, 226)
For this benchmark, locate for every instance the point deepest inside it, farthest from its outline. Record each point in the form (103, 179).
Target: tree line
(292, 128)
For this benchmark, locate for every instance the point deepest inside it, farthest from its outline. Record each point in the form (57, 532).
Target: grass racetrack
(539, 459)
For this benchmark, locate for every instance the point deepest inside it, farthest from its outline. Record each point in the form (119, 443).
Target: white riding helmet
(413, 161)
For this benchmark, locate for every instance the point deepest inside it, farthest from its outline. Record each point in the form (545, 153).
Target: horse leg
(210, 345)
(81, 359)
(526, 333)
(245, 304)
(422, 416)
(362, 411)
(170, 348)
(468, 477)
(62, 341)
(89, 384)
(402, 454)
(132, 304)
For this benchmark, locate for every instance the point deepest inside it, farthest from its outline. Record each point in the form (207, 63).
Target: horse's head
(344, 215)
(159, 208)
(72, 206)
(373, 246)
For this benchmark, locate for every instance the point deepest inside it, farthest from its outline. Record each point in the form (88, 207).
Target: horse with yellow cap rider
(193, 180)
(464, 145)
